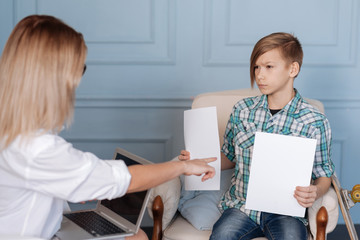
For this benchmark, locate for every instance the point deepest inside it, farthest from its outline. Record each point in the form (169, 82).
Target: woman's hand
(151, 175)
(199, 167)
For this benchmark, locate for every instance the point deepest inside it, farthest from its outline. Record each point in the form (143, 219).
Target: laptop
(111, 219)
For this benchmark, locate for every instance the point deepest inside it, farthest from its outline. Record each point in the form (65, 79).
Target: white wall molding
(132, 102)
(183, 102)
(341, 103)
(338, 145)
(327, 41)
(164, 144)
(245, 39)
(138, 139)
(150, 42)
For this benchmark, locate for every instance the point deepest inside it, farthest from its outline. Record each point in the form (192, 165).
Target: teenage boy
(275, 63)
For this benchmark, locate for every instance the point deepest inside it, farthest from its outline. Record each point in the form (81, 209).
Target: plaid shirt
(297, 118)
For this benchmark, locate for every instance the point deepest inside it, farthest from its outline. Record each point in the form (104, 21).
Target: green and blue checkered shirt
(250, 115)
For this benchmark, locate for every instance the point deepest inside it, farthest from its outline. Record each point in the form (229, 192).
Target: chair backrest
(225, 100)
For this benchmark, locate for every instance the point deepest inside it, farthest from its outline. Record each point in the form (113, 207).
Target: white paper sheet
(279, 164)
(202, 141)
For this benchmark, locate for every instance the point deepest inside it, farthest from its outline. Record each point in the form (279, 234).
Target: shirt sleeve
(58, 169)
(323, 165)
(228, 147)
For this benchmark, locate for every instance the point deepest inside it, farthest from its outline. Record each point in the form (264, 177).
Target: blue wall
(148, 58)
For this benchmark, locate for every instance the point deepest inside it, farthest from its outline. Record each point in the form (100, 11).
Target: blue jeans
(235, 225)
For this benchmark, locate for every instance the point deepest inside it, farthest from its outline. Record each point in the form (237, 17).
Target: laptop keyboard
(93, 223)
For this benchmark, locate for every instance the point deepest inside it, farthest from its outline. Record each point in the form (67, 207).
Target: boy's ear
(294, 69)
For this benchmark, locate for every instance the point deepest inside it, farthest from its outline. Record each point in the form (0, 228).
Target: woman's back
(23, 211)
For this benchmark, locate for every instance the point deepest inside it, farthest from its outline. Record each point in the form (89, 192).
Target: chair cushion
(170, 195)
(200, 207)
(181, 229)
(329, 200)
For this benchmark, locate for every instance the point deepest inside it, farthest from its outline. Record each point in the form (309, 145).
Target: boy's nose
(260, 76)
(259, 73)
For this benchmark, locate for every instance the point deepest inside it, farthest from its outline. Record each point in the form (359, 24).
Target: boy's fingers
(305, 195)
(185, 153)
(303, 189)
(182, 157)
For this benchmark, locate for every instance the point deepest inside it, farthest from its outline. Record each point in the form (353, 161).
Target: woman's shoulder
(38, 143)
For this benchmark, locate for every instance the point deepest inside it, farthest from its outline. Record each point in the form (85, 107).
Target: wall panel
(233, 27)
(6, 21)
(151, 131)
(117, 32)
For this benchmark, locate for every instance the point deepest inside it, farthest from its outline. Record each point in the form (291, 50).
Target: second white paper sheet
(202, 141)
(279, 164)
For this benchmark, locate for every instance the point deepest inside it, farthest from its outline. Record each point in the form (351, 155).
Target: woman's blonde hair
(289, 46)
(41, 65)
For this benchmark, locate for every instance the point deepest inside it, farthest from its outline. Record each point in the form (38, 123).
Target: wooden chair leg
(321, 222)
(158, 211)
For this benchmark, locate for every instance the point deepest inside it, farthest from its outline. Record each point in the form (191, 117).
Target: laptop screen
(128, 206)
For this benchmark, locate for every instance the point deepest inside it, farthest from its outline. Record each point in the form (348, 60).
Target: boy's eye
(269, 66)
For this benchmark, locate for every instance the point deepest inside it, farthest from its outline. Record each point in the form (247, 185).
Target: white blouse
(37, 177)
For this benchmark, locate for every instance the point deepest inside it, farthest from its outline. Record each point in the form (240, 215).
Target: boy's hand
(184, 155)
(306, 196)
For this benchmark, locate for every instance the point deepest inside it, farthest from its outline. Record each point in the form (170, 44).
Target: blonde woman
(40, 67)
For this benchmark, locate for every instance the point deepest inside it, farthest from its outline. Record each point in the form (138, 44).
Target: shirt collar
(291, 107)
(294, 104)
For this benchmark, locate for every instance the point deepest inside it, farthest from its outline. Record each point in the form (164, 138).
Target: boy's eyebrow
(264, 63)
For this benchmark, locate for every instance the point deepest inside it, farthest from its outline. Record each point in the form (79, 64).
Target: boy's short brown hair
(289, 46)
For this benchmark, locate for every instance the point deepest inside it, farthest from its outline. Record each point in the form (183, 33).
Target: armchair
(164, 200)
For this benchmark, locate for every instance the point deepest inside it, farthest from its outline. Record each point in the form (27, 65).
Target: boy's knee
(286, 228)
(222, 235)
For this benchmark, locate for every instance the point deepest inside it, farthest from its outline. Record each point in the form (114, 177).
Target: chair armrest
(158, 212)
(322, 219)
(170, 195)
(330, 202)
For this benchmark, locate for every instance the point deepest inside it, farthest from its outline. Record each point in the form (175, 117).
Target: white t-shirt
(36, 179)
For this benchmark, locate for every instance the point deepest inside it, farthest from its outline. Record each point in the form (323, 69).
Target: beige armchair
(164, 200)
